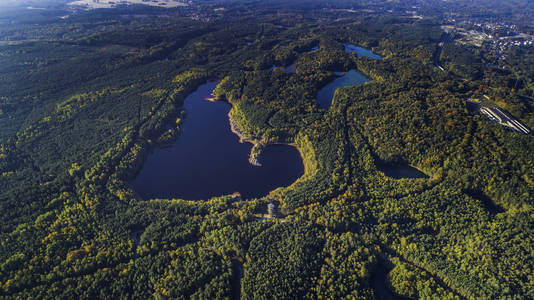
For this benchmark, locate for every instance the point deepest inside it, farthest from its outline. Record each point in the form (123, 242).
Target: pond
(237, 275)
(379, 285)
(290, 68)
(208, 160)
(352, 77)
(349, 48)
(488, 204)
(326, 94)
(401, 171)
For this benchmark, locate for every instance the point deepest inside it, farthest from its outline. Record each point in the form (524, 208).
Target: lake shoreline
(208, 127)
(244, 138)
(256, 144)
(253, 158)
(234, 127)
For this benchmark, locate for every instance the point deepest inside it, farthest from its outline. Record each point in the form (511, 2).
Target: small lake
(378, 283)
(290, 68)
(326, 94)
(208, 160)
(352, 77)
(488, 204)
(361, 51)
(401, 171)
(235, 282)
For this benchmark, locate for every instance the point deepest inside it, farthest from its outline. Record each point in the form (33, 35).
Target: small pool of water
(208, 160)
(401, 171)
(488, 204)
(352, 77)
(237, 275)
(326, 94)
(378, 283)
(349, 48)
(290, 68)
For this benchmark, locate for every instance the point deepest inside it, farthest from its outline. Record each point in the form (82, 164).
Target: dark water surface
(401, 171)
(207, 160)
(237, 275)
(290, 68)
(379, 285)
(490, 206)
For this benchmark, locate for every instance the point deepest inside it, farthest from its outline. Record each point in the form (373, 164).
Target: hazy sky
(30, 2)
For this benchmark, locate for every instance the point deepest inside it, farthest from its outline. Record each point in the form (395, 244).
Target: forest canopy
(86, 95)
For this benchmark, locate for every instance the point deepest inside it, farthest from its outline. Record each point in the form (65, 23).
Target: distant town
(498, 36)
(91, 4)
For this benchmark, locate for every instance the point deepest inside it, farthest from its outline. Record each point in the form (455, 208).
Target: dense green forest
(84, 99)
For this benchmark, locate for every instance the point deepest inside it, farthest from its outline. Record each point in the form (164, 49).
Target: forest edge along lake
(325, 97)
(208, 159)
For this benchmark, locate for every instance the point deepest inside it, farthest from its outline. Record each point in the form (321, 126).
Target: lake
(326, 94)
(352, 77)
(488, 204)
(378, 283)
(208, 160)
(401, 171)
(349, 48)
(290, 68)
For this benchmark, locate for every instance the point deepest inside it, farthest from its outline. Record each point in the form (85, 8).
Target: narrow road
(444, 39)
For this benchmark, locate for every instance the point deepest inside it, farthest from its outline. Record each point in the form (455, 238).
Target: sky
(30, 2)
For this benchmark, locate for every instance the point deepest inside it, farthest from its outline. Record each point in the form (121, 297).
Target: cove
(208, 160)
